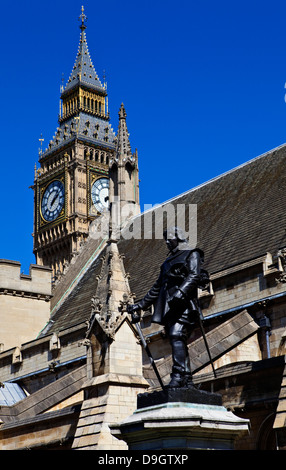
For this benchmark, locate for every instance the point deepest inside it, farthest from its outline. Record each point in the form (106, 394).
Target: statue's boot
(177, 381)
(189, 381)
(181, 375)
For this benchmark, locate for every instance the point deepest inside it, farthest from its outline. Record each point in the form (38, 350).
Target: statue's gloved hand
(133, 310)
(178, 299)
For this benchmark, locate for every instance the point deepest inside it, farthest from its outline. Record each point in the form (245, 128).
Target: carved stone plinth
(168, 423)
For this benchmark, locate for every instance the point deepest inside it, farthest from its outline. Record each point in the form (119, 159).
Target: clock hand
(54, 198)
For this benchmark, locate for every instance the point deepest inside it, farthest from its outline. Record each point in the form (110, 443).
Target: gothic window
(129, 169)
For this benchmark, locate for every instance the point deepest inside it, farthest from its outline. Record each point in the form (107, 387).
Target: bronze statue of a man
(174, 296)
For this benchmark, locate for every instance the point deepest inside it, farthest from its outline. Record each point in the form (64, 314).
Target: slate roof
(241, 215)
(86, 127)
(76, 308)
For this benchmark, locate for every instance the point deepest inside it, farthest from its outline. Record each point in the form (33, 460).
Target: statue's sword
(206, 343)
(146, 347)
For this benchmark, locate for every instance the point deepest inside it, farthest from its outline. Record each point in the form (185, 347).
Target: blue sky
(202, 83)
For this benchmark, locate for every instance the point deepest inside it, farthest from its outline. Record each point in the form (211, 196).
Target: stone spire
(112, 292)
(124, 177)
(114, 359)
(123, 151)
(83, 72)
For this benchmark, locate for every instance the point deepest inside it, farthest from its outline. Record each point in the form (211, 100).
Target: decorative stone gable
(114, 359)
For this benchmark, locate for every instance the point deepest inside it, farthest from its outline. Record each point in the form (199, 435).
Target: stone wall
(24, 302)
(45, 356)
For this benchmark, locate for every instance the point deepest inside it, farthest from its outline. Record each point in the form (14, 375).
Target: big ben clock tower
(71, 185)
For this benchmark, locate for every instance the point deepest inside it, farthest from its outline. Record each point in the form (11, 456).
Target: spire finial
(82, 17)
(122, 112)
(41, 140)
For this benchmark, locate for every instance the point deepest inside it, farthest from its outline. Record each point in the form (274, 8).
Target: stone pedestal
(180, 419)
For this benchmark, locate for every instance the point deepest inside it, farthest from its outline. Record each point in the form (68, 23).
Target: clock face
(53, 200)
(99, 194)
